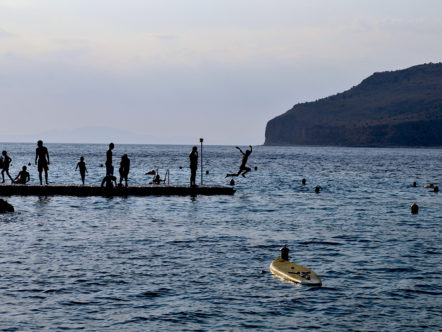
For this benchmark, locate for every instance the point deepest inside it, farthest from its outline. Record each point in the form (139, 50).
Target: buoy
(232, 182)
(414, 208)
(181, 167)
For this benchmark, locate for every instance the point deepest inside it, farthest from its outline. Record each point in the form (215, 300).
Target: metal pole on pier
(201, 140)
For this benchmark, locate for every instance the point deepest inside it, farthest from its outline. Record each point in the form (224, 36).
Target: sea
(177, 263)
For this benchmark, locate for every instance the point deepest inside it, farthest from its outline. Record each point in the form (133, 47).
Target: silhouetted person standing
(83, 170)
(109, 167)
(193, 158)
(5, 167)
(124, 168)
(41, 153)
(243, 169)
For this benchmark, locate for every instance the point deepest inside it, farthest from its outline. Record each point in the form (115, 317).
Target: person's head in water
(285, 253)
(111, 146)
(303, 181)
(414, 184)
(317, 189)
(40, 143)
(414, 208)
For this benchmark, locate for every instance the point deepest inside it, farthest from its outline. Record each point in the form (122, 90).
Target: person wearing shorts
(5, 167)
(42, 161)
(243, 169)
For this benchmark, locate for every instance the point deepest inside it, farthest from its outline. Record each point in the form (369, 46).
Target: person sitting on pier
(83, 170)
(40, 154)
(23, 176)
(124, 168)
(6, 161)
(108, 181)
(157, 179)
(243, 169)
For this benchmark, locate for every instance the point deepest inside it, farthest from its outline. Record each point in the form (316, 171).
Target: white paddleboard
(294, 272)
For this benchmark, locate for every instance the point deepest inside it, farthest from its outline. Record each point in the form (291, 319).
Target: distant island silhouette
(388, 109)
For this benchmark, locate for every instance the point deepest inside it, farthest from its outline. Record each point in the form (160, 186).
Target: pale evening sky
(178, 70)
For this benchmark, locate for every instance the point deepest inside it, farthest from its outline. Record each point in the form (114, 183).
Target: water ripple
(202, 264)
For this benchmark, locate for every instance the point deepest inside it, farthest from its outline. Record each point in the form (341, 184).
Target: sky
(172, 71)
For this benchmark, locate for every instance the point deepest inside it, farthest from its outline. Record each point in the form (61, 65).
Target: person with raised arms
(243, 169)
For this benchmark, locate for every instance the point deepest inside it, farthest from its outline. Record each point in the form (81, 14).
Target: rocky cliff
(396, 108)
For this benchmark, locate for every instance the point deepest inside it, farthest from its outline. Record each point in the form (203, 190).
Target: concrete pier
(79, 190)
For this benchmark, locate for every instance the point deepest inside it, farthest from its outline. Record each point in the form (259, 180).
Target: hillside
(396, 108)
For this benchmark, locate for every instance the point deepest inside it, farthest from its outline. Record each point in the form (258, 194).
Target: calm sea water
(182, 263)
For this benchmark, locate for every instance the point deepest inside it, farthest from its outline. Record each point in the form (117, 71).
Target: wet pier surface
(79, 190)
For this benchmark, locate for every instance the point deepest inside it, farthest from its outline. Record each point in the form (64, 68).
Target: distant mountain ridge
(395, 108)
(95, 134)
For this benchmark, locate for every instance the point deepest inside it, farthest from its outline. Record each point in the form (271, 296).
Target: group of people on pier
(42, 161)
(109, 180)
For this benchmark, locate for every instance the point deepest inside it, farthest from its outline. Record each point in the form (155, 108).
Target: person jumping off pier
(40, 154)
(6, 161)
(243, 169)
(83, 170)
